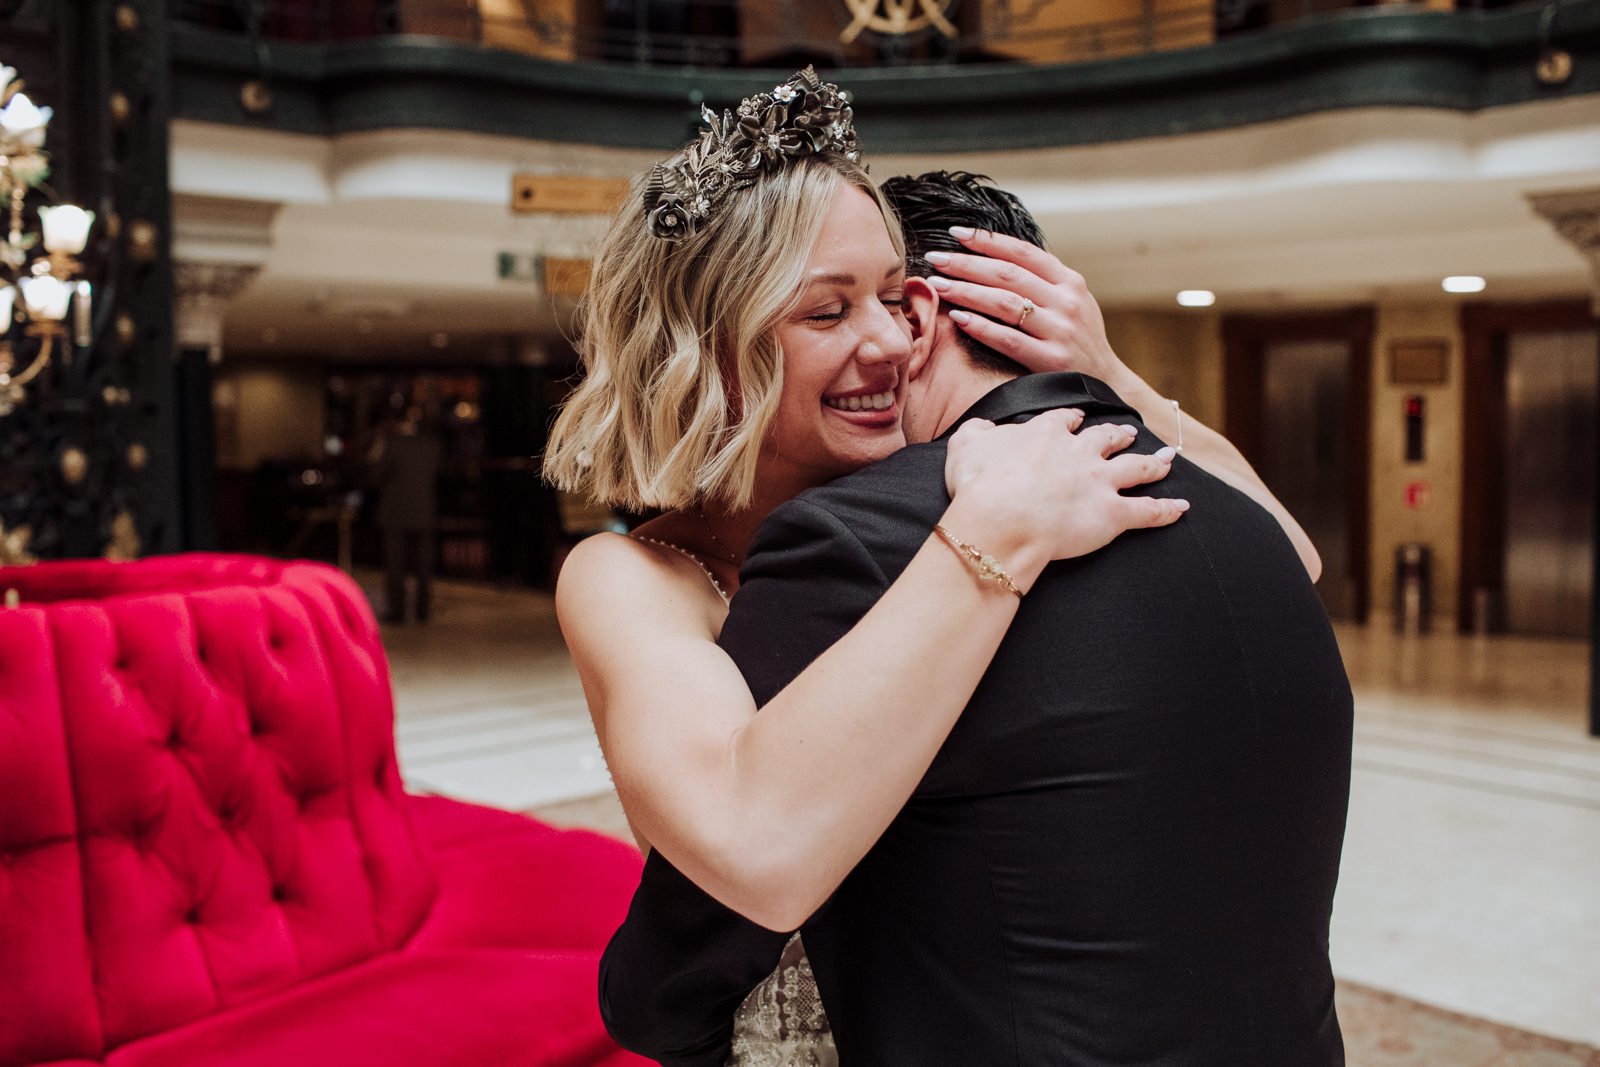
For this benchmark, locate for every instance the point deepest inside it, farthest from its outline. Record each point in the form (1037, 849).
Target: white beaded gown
(781, 1023)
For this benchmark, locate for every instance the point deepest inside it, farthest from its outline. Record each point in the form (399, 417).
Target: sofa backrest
(199, 798)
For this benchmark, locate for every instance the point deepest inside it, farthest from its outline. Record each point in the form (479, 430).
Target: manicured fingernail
(1183, 505)
(961, 233)
(961, 317)
(938, 259)
(1131, 431)
(941, 284)
(1165, 454)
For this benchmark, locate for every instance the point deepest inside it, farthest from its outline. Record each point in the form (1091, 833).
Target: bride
(744, 340)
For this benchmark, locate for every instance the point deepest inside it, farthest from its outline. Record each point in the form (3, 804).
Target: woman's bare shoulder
(614, 576)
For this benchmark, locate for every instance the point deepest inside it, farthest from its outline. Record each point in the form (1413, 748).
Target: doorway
(1297, 407)
(1528, 527)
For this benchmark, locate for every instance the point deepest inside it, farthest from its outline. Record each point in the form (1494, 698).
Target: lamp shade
(46, 297)
(66, 228)
(24, 121)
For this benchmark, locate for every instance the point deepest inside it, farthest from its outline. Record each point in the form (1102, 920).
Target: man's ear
(922, 312)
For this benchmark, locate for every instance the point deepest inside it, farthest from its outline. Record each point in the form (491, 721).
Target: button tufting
(174, 737)
(280, 894)
(193, 916)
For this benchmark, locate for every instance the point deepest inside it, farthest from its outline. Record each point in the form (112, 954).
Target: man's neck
(968, 385)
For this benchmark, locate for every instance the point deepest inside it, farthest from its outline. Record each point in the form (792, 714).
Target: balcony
(1017, 75)
(788, 33)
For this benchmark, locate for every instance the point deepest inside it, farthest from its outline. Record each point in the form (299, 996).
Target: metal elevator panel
(1552, 384)
(1305, 454)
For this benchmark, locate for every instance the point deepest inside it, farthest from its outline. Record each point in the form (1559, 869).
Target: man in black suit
(1126, 851)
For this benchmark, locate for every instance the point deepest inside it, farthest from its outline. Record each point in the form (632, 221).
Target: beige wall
(1437, 522)
(267, 413)
(1178, 352)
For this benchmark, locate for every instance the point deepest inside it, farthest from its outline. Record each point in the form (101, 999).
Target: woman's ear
(922, 312)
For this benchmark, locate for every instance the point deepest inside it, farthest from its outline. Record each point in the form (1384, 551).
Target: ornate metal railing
(744, 33)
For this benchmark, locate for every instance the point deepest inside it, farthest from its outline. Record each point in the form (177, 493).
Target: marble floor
(1471, 876)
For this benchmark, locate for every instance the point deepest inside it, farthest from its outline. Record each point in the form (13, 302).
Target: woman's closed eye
(833, 313)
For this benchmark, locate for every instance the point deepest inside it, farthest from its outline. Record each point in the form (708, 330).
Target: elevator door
(1552, 380)
(1305, 453)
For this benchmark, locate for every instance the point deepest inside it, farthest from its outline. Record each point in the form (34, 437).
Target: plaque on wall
(1419, 362)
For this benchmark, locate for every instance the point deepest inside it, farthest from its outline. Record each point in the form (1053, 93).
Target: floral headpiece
(803, 116)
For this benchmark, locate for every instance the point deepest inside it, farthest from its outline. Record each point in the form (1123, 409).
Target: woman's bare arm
(1067, 332)
(768, 812)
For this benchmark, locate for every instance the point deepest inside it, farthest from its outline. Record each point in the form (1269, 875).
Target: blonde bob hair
(679, 342)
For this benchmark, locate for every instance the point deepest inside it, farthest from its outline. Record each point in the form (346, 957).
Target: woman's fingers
(1132, 468)
(1007, 340)
(998, 246)
(1069, 419)
(1145, 512)
(1003, 305)
(1109, 438)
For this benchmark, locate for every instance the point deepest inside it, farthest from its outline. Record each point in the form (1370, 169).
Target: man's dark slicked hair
(929, 204)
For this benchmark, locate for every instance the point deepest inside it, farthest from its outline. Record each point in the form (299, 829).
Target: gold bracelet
(989, 568)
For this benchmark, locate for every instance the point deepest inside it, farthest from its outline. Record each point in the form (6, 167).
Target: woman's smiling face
(844, 346)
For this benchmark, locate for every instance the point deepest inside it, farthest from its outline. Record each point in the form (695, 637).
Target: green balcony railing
(768, 33)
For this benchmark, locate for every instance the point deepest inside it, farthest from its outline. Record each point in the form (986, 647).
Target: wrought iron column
(90, 460)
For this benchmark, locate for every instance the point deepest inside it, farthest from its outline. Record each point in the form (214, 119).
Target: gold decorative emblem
(142, 238)
(14, 546)
(1554, 66)
(124, 544)
(896, 17)
(74, 465)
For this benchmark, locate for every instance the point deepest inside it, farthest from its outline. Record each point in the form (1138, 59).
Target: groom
(1126, 851)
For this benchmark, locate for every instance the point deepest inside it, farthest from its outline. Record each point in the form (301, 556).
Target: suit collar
(1022, 398)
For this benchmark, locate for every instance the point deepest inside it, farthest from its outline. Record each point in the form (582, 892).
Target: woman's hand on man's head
(1062, 331)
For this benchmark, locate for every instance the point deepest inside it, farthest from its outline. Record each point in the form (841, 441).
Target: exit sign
(558, 276)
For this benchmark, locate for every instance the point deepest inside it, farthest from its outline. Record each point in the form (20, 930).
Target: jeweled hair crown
(803, 116)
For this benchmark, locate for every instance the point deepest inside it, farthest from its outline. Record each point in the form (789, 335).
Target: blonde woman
(744, 340)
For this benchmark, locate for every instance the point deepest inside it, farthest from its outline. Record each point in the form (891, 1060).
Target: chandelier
(36, 290)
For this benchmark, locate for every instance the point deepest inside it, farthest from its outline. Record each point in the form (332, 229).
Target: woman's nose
(887, 338)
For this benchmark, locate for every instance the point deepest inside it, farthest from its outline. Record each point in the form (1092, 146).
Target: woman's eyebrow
(850, 279)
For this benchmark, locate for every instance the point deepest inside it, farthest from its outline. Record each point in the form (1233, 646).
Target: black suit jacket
(1126, 851)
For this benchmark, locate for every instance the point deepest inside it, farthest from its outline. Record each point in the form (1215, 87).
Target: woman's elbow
(775, 888)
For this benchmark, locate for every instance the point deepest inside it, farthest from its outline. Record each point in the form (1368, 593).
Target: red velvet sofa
(207, 856)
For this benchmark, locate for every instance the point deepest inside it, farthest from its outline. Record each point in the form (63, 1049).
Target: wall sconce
(48, 285)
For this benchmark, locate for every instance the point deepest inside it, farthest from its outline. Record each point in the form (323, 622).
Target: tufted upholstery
(207, 855)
